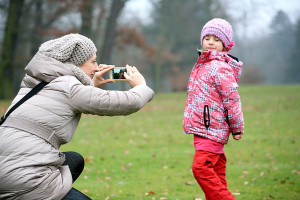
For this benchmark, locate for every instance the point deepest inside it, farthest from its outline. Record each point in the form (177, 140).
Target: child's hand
(237, 137)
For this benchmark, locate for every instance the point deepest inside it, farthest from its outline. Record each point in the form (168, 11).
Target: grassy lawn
(147, 156)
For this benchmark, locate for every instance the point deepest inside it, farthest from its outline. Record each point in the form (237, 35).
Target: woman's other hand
(133, 76)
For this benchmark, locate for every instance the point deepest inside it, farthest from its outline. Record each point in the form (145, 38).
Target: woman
(31, 165)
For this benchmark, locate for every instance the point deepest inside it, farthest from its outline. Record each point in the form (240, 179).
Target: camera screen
(118, 73)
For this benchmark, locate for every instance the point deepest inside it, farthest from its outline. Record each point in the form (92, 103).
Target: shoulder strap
(32, 92)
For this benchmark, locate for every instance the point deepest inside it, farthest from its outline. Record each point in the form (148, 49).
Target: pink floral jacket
(213, 106)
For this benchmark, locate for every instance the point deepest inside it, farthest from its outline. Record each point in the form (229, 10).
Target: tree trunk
(36, 39)
(110, 31)
(9, 47)
(87, 16)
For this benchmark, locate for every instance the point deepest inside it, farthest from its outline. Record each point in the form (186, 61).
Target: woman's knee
(74, 157)
(75, 161)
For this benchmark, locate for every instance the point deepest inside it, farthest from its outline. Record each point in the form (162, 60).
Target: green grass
(147, 156)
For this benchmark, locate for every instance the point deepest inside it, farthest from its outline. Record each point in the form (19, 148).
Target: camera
(117, 73)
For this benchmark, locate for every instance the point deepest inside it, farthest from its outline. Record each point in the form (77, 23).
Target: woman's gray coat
(30, 160)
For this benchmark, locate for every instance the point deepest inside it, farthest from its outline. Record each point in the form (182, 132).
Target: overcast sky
(259, 13)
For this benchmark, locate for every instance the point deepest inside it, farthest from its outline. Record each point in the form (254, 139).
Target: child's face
(212, 43)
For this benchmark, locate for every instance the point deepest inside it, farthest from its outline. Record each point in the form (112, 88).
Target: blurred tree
(279, 47)
(176, 31)
(9, 46)
(270, 53)
(87, 16)
(293, 70)
(34, 22)
(36, 38)
(251, 75)
(40, 21)
(128, 35)
(110, 30)
(3, 14)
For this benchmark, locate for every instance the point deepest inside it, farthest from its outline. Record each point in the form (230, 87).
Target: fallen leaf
(165, 192)
(84, 191)
(190, 182)
(271, 197)
(149, 193)
(261, 173)
(124, 168)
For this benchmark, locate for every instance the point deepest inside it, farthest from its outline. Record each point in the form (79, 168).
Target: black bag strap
(32, 92)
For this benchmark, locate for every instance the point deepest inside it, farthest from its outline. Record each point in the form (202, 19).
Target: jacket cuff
(237, 133)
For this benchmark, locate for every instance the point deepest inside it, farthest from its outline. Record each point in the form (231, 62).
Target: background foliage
(163, 47)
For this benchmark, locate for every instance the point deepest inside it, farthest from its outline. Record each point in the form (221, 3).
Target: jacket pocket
(206, 116)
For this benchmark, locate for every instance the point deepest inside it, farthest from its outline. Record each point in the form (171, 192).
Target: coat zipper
(206, 116)
(226, 115)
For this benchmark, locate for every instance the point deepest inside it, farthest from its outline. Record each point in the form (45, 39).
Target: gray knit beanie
(71, 48)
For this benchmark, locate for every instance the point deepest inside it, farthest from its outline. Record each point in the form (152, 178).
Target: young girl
(213, 108)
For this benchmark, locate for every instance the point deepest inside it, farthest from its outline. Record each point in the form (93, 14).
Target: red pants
(209, 171)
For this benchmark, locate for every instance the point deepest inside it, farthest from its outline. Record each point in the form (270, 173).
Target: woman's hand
(133, 76)
(98, 80)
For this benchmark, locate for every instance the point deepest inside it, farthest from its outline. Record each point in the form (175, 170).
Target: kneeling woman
(31, 165)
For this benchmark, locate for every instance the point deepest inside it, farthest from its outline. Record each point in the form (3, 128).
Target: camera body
(117, 73)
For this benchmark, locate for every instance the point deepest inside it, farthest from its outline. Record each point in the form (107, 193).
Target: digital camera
(117, 73)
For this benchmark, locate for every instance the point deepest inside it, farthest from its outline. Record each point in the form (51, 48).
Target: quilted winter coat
(213, 106)
(30, 160)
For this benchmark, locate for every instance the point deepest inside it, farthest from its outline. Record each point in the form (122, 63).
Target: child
(213, 108)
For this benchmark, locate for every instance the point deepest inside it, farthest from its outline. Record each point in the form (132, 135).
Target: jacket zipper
(226, 115)
(206, 116)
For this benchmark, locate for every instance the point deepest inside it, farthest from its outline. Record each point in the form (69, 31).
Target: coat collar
(46, 69)
(232, 61)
